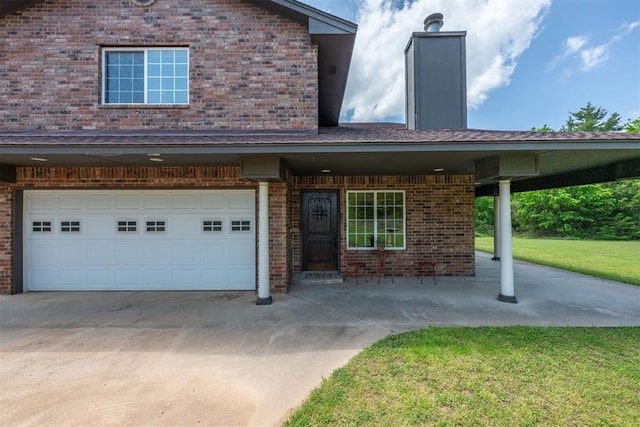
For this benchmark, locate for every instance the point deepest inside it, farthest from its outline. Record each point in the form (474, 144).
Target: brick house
(194, 144)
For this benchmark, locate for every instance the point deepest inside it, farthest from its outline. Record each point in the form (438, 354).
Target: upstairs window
(145, 76)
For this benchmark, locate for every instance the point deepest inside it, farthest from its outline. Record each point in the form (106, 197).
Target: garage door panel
(157, 253)
(241, 277)
(156, 201)
(197, 249)
(71, 278)
(101, 201)
(42, 254)
(185, 201)
(71, 253)
(99, 278)
(185, 227)
(128, 252)
(156, 278)
(185, 277)
(127, 201)
(100, 253)
(239, 249)
(99, 226)
(184, 253)
(241, 201)
(213, 277)
(69, 202)
(213, 201)
(214, 253)
(42, 202)
(128, 279)
(39, 278)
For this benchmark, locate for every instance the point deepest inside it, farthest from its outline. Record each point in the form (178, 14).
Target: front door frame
(336, 247)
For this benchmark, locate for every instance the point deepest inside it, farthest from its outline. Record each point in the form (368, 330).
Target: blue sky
(529, 62)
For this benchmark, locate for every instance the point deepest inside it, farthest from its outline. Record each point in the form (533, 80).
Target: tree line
(609, 211)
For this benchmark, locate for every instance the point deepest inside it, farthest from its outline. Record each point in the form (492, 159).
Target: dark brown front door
(320, 231)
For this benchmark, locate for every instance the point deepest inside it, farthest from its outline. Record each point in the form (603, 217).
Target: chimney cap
(433, 22)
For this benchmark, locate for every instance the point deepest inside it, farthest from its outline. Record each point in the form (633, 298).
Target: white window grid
(373, 215)
(160, 76)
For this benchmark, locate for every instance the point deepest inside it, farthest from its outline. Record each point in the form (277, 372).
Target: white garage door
(139, 240)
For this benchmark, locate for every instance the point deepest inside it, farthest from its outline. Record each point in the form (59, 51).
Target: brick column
(6, 240)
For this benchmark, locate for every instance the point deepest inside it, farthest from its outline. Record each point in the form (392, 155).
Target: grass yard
(488, 376)
(618, 261)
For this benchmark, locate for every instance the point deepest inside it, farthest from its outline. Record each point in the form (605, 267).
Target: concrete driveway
(214, 358)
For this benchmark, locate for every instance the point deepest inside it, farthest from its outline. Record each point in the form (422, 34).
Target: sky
(529, 62)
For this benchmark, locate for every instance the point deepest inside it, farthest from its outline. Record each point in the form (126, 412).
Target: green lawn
(610, 260)
(489, 376)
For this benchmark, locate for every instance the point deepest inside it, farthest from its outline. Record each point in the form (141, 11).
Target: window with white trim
(376, 217)
(145, 76)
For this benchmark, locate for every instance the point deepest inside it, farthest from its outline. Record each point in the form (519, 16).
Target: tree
(592, 119)
(577, 212)
(633, 126)
(609, 211)
(484, 216)
(544, 128)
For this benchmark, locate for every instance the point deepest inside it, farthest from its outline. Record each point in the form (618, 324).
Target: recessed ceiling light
(153, 155)
(326, 171)
(156, 159)
(39, 159)
(438, 170)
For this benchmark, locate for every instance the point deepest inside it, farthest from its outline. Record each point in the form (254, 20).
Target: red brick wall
(278, 242)
(439, 212)
(6, 240)
(249, 68)
(145, 177)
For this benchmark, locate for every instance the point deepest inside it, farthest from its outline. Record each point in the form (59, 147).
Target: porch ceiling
(365, 160)
(353, 149)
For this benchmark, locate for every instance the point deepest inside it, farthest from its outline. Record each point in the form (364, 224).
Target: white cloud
(592, 57)
(498, 32)
(578, 56)
(574, 44)
(627, 27)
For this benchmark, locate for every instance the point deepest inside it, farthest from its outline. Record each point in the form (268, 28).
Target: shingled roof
(346, 133)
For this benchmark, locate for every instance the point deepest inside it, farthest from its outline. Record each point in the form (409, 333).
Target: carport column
(496, 228)
(263, 245)
(507, 293)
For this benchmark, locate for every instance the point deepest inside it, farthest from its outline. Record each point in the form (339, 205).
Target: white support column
(507, 293)
(496, 228)
(263, 245)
